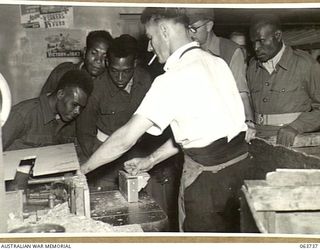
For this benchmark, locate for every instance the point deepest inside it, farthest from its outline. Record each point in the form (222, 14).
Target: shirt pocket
(290, 95)
(290, 88)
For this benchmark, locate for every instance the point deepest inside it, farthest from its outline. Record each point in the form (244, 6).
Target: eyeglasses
(195, 29)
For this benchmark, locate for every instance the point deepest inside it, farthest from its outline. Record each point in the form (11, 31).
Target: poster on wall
(63, 44)
(30, 16)
(48, 17)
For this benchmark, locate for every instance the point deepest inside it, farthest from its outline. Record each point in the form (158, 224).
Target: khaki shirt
(32, 123)
(293, 87)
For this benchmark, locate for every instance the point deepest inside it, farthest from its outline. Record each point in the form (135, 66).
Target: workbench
(111, 207)
(108, 206)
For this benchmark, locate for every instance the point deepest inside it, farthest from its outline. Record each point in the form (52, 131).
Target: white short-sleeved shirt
(197, 96)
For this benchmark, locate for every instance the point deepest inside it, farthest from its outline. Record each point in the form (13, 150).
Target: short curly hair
(123, 46)
(76, 79)
(98, 35)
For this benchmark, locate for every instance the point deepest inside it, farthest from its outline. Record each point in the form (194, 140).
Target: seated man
(45, 120)
(93, 62)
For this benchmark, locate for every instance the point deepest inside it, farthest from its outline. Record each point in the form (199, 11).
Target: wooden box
(130, 185)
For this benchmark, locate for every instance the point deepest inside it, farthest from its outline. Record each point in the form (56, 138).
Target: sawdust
(72, 223)
(102, 203)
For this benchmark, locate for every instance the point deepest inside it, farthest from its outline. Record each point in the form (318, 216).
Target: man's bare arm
(136, 165)
(118, 143)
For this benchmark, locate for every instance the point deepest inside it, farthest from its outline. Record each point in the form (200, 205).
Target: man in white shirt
(197, 96)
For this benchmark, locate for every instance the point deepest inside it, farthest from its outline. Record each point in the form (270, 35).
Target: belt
(217, 168)
(275, 119)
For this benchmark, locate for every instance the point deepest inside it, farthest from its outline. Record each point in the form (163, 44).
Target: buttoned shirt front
(109, 107)
(197, 96)
(294, 86)
(32, 123)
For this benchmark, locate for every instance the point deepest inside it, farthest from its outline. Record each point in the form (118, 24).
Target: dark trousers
(212, 200)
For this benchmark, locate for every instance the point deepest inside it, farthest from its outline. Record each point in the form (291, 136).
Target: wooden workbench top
(111, 207)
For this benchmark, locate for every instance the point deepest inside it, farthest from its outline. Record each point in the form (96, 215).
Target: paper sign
(48, 17)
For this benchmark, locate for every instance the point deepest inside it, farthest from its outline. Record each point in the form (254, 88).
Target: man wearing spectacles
(284, 84)
(201, 30)
(198, 98)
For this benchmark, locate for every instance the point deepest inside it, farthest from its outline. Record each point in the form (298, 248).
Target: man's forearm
(167, 150)
(112, 149)
(307, 122)
(118, 143)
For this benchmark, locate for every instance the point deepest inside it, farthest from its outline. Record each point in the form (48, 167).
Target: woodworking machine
(47, 175)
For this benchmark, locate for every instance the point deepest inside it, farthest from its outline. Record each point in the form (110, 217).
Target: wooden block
(272, 198)
(14, 203)
(79, 201)
(298, 223)
(130, 185)
(86, 201)
(79, 196)
(293, 177)
(49, 160)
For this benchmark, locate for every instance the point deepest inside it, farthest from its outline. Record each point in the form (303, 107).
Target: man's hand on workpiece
(138, 165)
(286, 135)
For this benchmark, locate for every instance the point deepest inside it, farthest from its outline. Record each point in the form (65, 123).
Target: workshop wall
(24, 61)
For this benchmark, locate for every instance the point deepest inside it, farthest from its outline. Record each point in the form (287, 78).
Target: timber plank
(286, 198)
(298, 223)
(293, 177)
(49, 160)
(258, 217)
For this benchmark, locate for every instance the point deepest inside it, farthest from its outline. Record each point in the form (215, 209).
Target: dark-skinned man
(284, 84)
(46, 120)
(198, 98)
(94, 56)
(112, 103)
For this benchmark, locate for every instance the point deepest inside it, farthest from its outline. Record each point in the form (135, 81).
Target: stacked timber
(285, 202)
